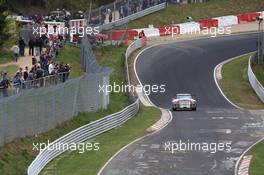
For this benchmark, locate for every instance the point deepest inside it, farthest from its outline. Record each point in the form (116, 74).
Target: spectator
(51, 68)
(142, 34)
(34, 60)
(40, 44)
(25, 74)
(110, 16)
(31, 75)
(121, 11)
(21, 46)
(67, 70)
(4, 84)
(31, 44)
(39, 72)
(17, 82)
(43, 61)
(20, 72)
(15, 50)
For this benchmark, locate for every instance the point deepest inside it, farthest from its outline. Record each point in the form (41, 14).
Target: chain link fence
(44, 103)
(36, 111)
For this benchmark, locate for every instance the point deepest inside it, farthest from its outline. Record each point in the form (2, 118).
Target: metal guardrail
(92, 129)
(256, 85)
(82, 134)
(137, 44)
(134, 16)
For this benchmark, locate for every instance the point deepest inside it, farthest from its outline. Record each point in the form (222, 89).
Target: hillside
(31, 7)
(213, 8)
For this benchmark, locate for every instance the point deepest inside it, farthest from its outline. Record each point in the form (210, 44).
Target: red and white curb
(218, 72)
(244, 166)
(164, 120)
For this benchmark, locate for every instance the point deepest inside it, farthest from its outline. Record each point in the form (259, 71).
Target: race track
(187, 67)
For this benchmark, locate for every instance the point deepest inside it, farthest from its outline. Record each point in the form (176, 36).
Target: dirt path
(22, 61)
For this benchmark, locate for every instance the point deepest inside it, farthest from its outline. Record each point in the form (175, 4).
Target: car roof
(183, 94)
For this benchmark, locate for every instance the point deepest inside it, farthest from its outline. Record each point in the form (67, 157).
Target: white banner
(262, 13)
(189, 28)
(149, 32)
(224, 21)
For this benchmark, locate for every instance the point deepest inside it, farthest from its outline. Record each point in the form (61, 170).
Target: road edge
(155, 128)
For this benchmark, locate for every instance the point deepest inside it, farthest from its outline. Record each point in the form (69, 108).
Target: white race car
(184, 101)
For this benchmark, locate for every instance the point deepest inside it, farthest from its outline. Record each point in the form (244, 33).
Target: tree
(3, 22)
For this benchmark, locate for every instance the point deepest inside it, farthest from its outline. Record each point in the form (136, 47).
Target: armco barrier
(80, 135)
(92, 129)
(248, 17)
(224, 21)
(133, 17)
(131, 48)
(208, 23)
(256, 85)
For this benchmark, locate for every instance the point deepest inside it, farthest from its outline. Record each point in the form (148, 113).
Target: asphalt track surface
(187, 67)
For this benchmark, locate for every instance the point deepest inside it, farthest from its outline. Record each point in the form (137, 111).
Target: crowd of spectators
(124, 8)
(47, 48)
(46, 71)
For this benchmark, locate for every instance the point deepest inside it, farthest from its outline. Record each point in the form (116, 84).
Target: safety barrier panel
(256, 85)
(80, 135)
(224, 21)
(248, 17)
(189, 27)
(169, 30)
(208, 23)
(150, 32)
(117, 34)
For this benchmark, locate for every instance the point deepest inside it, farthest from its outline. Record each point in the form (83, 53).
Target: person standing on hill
(21, 46)
(110, 16)
(15, 50)
(31, 44)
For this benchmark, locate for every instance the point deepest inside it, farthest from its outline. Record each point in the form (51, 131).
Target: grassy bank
(259, 72)
(71, 55)
(236, 86)
(11, 70)
(213, 8)
(256, 165)
(112, 141)
(16, 156)
(5, 56)
(89, 162)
